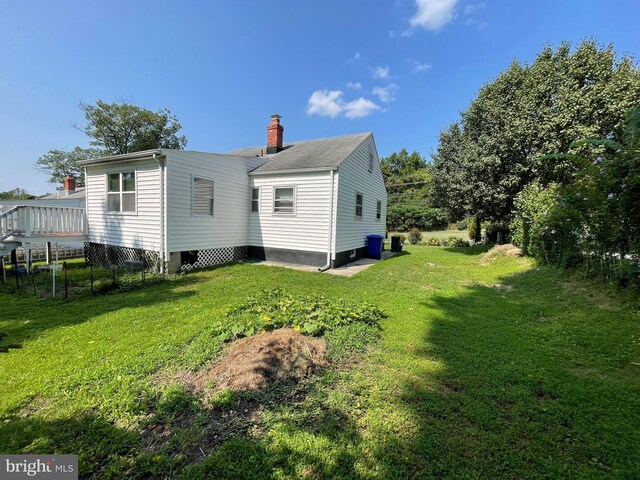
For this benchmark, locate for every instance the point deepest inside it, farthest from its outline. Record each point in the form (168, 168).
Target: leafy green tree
(120, 128)
(528, 111)
(16, 194)
(60, 163)
(113, 129)
(590, 221)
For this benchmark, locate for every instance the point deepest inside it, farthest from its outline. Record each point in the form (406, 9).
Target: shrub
(432, 242)
(414, 236)
(406, 217)
(475, 229)
(454, 241)
(460, 224)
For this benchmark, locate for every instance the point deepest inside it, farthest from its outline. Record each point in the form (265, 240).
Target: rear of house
(310, 202)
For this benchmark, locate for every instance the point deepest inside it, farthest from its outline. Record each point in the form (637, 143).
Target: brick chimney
(69, 185)
(274, 135)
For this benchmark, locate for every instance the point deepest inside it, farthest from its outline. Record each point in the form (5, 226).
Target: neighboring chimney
(274, 135)
(69, 185)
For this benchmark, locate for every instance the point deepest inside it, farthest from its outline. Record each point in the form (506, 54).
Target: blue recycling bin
(374, 246)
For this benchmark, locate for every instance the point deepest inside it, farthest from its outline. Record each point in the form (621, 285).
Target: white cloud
(473, 7)
(329, 103)
(433, 14)
(385, 94)
(381, 72)
(355, 58)
(325, 103)
(418, 66)
(354, 85)
(360, 108)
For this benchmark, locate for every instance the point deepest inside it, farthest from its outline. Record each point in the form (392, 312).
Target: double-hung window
(284, 200)
(202, 197)
(358, 205)
(121, 192)
(378, 210)
(255, 200)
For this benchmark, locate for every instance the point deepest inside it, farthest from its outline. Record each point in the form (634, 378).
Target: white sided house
(311, 202)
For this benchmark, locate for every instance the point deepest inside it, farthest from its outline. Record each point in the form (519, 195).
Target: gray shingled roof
(324, 153)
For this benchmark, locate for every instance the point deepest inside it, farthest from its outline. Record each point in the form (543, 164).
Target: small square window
(359, 205)
(121, 192)
(283, 200)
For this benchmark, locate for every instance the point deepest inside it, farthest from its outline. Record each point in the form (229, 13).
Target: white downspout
(162, 223)
(330, 243)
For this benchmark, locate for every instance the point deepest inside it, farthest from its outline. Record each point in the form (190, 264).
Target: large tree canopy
(16, 194)
(123, 128)
(60, 163)
(114, 128)
(483, 162)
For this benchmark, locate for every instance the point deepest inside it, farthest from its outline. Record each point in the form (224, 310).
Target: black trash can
(396, 244)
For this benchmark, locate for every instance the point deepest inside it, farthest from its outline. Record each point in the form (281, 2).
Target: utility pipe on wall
(330, 243)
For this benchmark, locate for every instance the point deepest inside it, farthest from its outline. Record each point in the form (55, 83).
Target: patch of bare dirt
(253, 363)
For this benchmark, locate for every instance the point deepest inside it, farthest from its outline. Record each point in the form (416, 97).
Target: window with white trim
(202, 197)
(284, 200)
(255, 200)
(371, 161)
(378, 210)
(359, 201)
(121, 192)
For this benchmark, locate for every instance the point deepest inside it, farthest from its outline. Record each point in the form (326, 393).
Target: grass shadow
(473, 251)
(533, 382)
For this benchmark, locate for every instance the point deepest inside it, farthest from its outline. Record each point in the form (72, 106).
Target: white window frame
(359, 217)
(378, 210)
(193, 193)
(257, 200)
(273, 203)
(120, 192)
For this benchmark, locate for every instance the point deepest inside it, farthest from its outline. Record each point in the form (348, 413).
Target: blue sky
(403, 69)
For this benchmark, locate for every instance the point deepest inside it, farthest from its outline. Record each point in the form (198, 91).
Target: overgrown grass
(484, 369)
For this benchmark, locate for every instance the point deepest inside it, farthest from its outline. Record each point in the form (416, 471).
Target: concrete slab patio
(348, 270)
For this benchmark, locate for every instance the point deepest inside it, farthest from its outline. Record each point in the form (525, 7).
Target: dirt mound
(506, 250)
(253, 363)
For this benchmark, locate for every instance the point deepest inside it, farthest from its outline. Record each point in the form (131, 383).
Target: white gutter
(162, 213)
(330, 243)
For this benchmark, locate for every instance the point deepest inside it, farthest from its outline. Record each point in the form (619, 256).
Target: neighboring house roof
(321, 154)
(61, 195)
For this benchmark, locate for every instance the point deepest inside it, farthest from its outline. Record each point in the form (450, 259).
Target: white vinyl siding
(306, 230)
(141, 230)
(202, 196)
(354, 177)
(229, 226)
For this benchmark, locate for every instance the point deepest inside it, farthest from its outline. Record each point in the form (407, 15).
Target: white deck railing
(29, 221)
(8, 221)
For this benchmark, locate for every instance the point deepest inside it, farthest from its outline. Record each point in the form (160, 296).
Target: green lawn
(496, 369)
